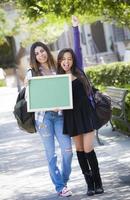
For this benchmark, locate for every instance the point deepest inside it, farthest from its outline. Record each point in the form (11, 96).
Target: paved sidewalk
(24, 173)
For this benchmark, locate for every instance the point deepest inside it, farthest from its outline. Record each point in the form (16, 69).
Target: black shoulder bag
(102, 107)
(101, 104)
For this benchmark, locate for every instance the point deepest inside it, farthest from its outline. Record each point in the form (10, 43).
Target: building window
(119, 34)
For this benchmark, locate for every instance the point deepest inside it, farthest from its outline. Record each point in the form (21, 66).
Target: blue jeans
(53, 128)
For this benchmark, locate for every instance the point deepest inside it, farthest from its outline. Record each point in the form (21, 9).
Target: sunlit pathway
(23, 167)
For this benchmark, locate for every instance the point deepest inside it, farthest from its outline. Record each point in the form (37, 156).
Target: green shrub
(8, 53)
(114, 74)
(2, 83)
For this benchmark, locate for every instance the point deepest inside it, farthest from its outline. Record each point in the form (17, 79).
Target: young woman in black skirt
(81, 122)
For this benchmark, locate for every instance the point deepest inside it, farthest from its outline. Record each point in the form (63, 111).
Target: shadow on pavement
(24, 172)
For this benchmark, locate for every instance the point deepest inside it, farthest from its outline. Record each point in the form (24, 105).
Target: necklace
(46, 71)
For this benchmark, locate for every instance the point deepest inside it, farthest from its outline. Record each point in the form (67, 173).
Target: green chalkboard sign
(49, 93)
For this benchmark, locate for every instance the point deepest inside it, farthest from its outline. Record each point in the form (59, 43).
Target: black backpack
(25, 120)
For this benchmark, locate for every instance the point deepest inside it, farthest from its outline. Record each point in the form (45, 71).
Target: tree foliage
(45, 18)
(39, 30)
(116, 11)
(3, 26)
(7, 28)
(32, 30)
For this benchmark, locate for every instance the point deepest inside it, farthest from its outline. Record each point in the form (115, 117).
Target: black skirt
(82, 118)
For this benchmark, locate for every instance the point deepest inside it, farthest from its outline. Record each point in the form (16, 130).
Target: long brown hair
(34, 63)
(74, 69)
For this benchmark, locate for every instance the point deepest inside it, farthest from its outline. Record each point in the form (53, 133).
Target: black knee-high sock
(83, 162)
(93, 162)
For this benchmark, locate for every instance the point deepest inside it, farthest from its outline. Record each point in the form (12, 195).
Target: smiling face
(41, 55)
(67, 62)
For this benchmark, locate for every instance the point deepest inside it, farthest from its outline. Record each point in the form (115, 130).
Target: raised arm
(77, 47)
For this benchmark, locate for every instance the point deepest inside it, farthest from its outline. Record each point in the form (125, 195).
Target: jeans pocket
(44, 130)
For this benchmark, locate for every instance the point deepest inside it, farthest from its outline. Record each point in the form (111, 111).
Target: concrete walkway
(24, 173)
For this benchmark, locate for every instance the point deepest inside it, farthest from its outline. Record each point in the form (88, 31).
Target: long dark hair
(33, 62)
(74, 69)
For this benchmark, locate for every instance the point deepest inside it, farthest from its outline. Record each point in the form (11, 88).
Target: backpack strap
(30, 72)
